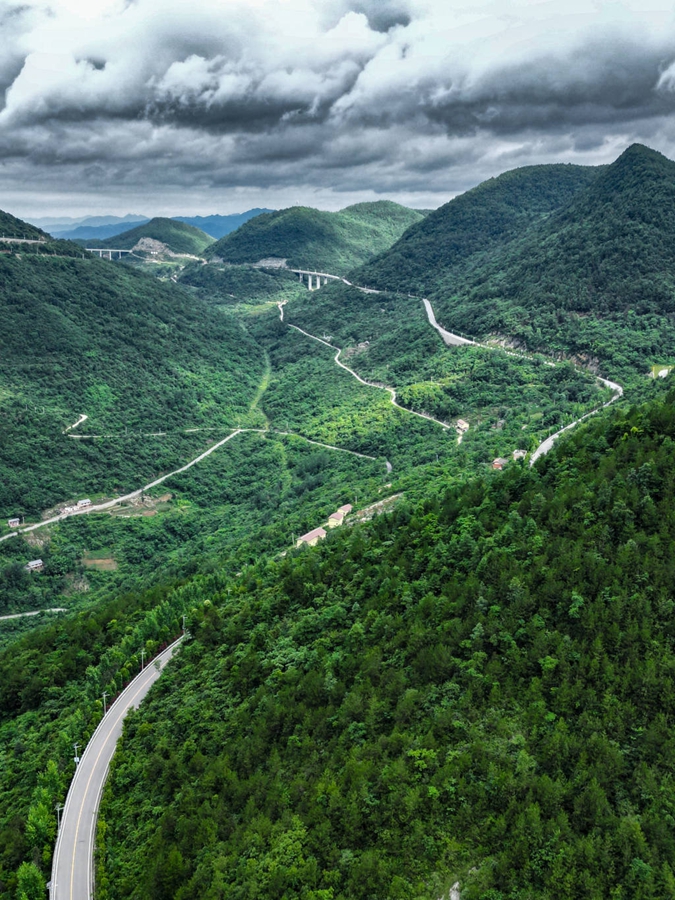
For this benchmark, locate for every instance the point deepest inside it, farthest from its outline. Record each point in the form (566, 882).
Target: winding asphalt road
(455, 340)
(449, 339)
(72, 868)
(546, 445)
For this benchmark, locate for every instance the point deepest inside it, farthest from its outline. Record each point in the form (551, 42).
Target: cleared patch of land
(102, 560)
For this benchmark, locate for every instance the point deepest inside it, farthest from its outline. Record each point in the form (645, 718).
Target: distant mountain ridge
(219, 226)
(97, 228)
(312, 238)
(60, 224)
(97, 233)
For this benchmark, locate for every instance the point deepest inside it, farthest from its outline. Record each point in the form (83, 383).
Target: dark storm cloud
(347, 95)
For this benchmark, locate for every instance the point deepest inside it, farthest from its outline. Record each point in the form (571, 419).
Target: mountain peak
(640, 158)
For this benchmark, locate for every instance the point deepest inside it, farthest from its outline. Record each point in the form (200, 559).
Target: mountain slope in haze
(332, 242)
(56, 225)
(482, 219)
(215, 226)
(219, 226)
(477, 689)
(97, 232)
(179, 237)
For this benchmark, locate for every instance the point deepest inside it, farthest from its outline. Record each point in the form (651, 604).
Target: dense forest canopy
(483, 219)
(476, 689)
(308, 238)
(90, 336)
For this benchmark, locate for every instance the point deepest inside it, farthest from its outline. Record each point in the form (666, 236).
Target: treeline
(479, 689)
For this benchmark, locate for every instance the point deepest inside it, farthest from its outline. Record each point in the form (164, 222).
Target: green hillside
(594, 278)
(179, 237)
(473, 690)
(12, 227)
(311, 238)
(476, 686)
(85, 336)
(481, 220)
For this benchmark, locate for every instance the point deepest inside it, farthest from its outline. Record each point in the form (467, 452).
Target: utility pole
(142, 658)
(77, 758)
(183, 623)
(105, 694)
(58, 808)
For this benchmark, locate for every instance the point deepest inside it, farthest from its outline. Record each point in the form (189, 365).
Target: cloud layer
(318, 100)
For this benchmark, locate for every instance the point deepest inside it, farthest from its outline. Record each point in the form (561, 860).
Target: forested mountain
(11, 227)
(83, 335)
(483, 219)
(593, 278)
(476, 686)
(179, 237)
(313, 239)
(477, 689)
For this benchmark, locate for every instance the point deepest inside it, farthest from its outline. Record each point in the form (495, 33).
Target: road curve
(543, 448)
(450, 339)
(546, 445)
(382, 387)
(109, 504)
(72, 868)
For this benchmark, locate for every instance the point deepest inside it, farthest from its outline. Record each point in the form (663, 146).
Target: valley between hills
(466, 694)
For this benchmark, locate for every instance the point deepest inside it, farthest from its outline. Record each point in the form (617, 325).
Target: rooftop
(311, 535)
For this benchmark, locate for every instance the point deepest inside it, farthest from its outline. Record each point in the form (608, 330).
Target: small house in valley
(311, 538)
(519, 454)
(346, 509)
(35, 565)
(82, 503)
(13, 523)
(499, 463)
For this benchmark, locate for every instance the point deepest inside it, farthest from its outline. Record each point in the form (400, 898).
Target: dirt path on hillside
(455, 340)
(35, 612)
(374, 384)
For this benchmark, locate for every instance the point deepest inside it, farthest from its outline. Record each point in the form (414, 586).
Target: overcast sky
(177, 107)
